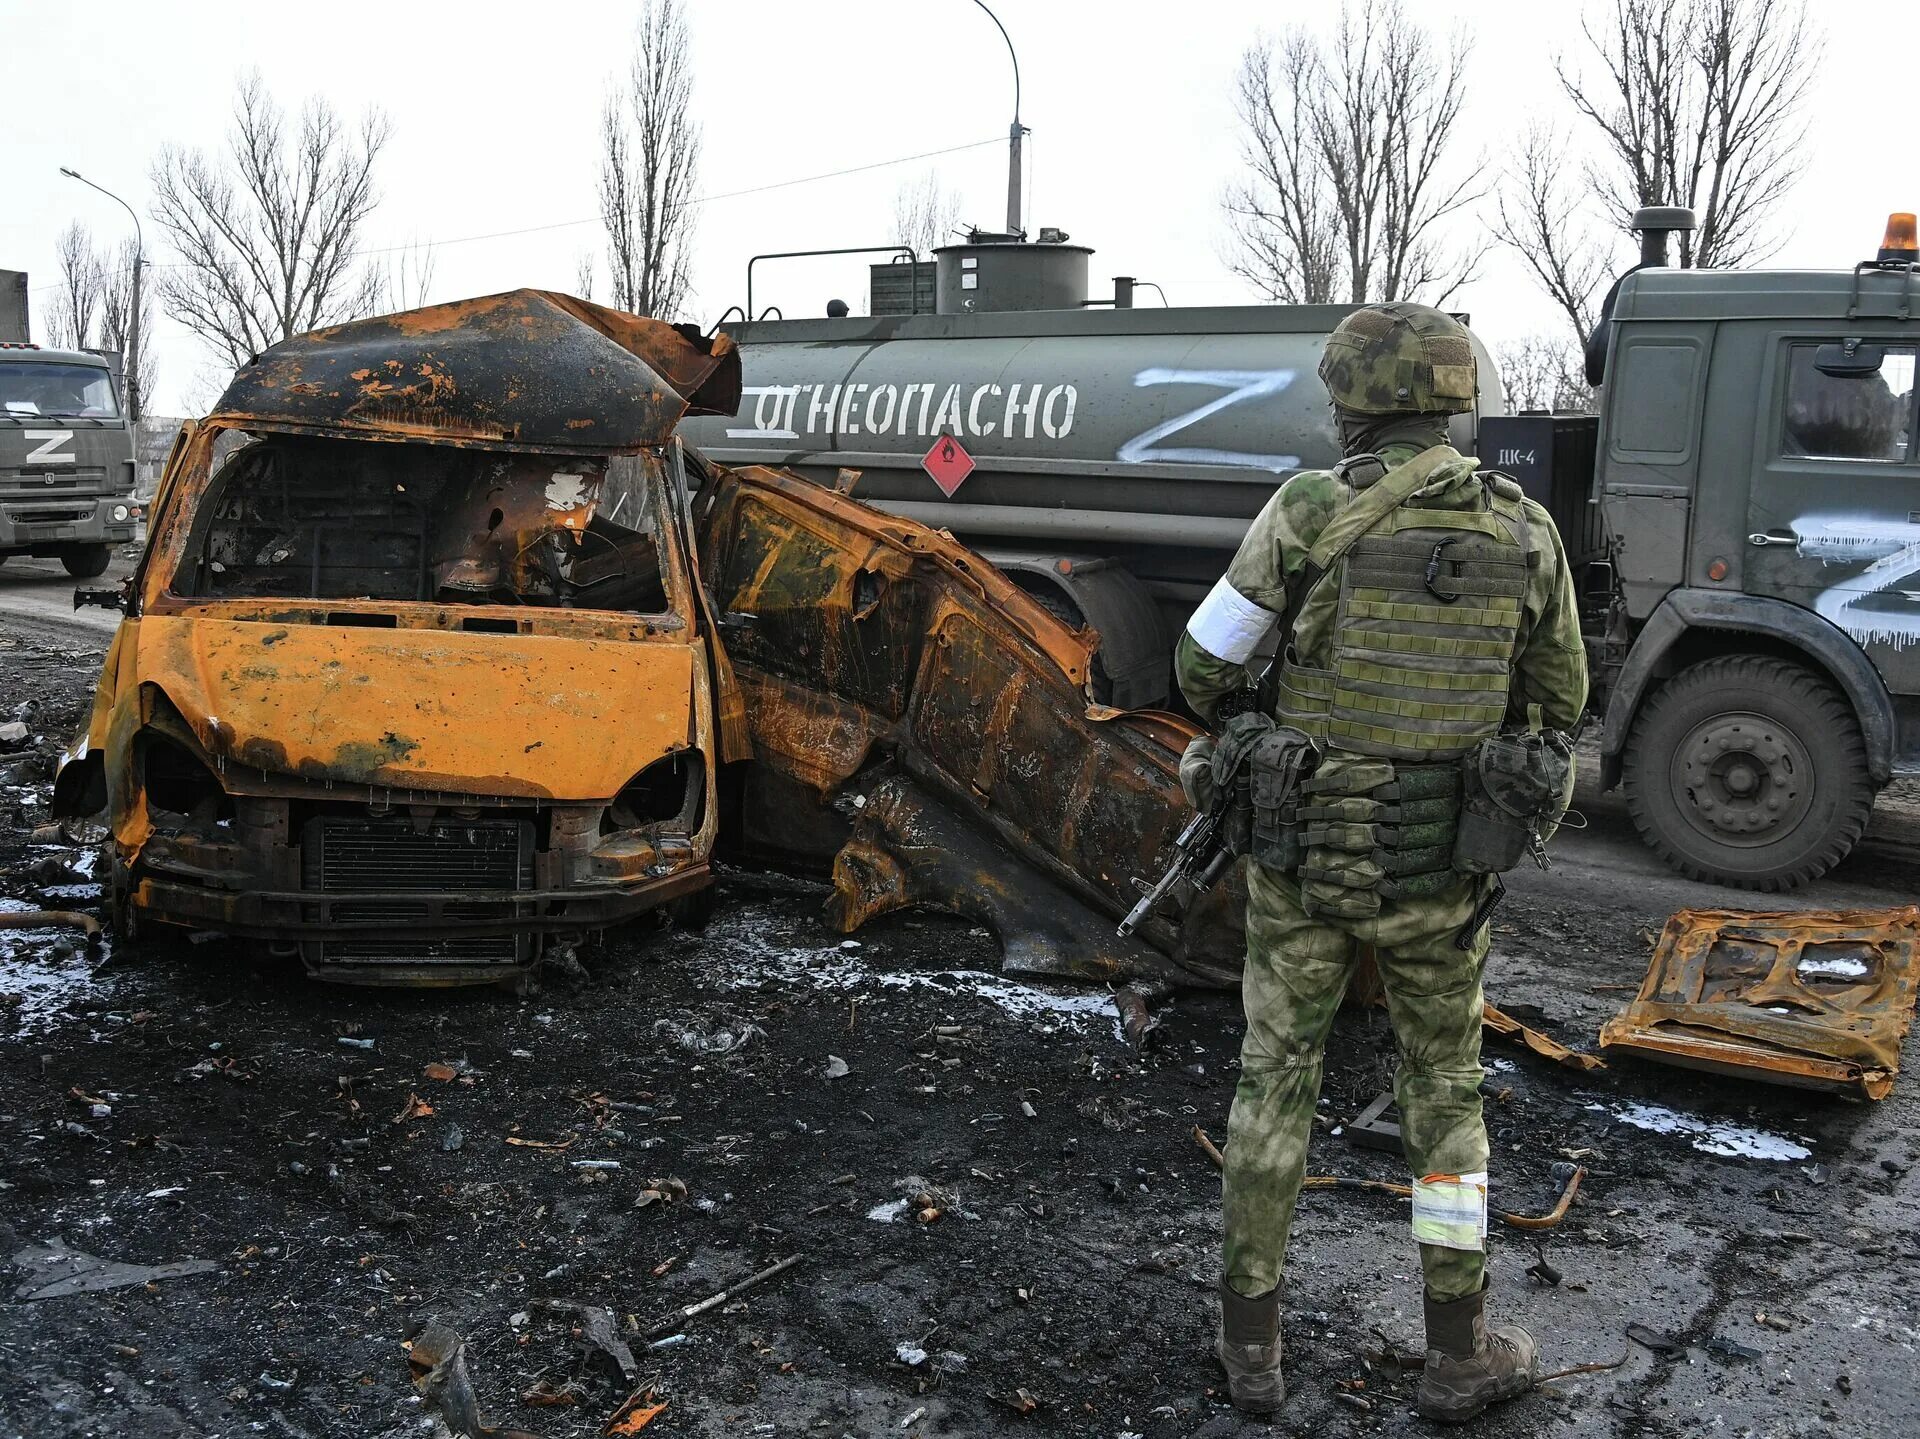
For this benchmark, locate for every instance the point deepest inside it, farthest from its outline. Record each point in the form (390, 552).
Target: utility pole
(135, 380)
(1014, 131)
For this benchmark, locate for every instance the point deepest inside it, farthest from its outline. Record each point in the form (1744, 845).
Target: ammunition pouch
(1374, 830)
(1515, 788)
(1278, 765)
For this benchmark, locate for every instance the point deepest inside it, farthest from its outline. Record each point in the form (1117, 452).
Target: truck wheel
(1748, 771)
(84, 562)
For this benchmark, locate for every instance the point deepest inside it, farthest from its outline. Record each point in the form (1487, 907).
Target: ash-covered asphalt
(1768, 1233)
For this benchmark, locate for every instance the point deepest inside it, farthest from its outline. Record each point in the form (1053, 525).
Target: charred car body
(415, 670)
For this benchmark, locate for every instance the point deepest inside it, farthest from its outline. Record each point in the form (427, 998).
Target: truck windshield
(35, 389)
(292, 517)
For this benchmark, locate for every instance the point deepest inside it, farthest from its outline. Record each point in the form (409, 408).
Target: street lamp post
(1014, 131)
(134, 377)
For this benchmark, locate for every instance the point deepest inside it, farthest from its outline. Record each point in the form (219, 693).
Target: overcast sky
(494, 109)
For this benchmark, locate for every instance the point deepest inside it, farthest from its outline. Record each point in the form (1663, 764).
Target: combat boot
(1470, 1366)
(1249, 1349)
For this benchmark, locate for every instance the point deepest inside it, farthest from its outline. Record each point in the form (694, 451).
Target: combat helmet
(1399, 358)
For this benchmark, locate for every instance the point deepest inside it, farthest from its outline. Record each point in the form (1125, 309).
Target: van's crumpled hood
(524, 370)
(511, 715)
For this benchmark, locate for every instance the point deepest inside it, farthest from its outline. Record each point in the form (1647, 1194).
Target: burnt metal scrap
(1814, 998)
(922, 725)
(524, 370)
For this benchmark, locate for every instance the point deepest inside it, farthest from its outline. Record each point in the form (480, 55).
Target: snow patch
(748, 948)
(1709, 1136)
(38, 984)
(1843, 966)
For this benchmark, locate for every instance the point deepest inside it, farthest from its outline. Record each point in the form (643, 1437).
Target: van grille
(384, 855)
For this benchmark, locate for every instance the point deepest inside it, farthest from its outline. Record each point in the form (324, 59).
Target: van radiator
(372, 856)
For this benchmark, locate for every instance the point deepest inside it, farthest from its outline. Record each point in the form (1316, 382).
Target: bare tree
(117, 330)
(1544, 372)
(266, 235)
(1697, 103)
(650, 158)
(1348, 147)
(407, 278)
(73, 317)
(94, 309)
(1548, 217)
(925, 215)
(583, 275)
(1281, 215)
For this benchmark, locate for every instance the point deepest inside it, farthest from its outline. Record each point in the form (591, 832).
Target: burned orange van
(415, 673)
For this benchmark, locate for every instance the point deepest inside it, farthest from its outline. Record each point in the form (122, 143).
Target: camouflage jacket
(1550, 669)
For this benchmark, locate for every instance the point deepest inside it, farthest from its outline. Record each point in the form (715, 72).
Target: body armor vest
(1418, 614)
(1422, 611)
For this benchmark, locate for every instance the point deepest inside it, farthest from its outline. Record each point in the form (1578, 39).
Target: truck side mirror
(1849, 360)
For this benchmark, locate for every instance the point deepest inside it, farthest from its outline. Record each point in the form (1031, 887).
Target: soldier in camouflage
(1423, 608)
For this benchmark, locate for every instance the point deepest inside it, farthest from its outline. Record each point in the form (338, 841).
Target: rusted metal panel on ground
(415, 668)
(1816, 998)
(892, 674)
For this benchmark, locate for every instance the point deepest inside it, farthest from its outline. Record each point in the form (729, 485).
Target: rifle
(1198, 855)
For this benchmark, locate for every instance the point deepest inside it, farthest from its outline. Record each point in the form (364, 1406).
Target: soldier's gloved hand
(1237, 736)
(1196, 771)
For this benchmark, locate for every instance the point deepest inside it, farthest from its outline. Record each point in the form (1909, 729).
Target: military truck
(66, 458)
(1743, 511)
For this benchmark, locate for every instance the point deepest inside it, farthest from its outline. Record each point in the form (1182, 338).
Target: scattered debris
(1502, 1023)
(598, 1329)
(1569, 1175)
(1542, 1272)
(836, 1068)
(714, 1301)
(1377, 1127)
(436, 1356)
(55, 919)
(1816, 998)
(1020, 1401)
(661, 1191)
(542, 1393)
(55, 1271)
(1721, 1347)
(1665, 1345)
(723, 1037)
(414, 1108)
(1137, 1020)
(635, 1414)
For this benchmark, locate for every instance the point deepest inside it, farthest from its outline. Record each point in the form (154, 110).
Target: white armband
(1229, 625)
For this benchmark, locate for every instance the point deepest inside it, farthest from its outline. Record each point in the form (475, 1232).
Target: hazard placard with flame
(949, 464)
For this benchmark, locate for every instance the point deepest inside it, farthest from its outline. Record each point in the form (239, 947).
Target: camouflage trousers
(1297, 971)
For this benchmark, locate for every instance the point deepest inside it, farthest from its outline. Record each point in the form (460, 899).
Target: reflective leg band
(1450, 1210)
(1228, 625)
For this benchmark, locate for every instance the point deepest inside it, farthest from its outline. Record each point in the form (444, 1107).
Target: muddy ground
(251, 1118)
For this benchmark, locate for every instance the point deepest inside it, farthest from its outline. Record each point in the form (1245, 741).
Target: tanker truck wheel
(1748, 771)
(84, 562)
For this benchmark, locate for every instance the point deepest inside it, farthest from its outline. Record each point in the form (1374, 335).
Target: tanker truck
(1743, 513)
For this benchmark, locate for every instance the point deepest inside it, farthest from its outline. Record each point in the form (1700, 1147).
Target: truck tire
(84, 562)
(1748, 771)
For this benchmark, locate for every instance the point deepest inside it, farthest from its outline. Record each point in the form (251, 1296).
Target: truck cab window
(1849, 417)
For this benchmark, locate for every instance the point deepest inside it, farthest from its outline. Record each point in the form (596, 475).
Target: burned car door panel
(890, 675)
(413, 678)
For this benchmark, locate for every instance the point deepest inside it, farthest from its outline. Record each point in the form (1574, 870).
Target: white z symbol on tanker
(1240, 385)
